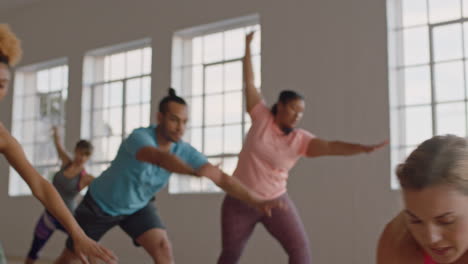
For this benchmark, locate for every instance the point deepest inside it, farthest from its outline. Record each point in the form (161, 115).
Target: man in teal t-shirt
(123, 193)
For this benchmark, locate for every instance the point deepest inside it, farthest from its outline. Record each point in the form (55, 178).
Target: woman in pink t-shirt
(272, 147)
(433, 227)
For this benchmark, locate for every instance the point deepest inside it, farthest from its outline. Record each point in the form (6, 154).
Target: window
(428, 49)
(207, 71)
(116, 98)
(39, 101)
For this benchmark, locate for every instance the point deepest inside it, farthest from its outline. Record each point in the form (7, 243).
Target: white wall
(332, 51)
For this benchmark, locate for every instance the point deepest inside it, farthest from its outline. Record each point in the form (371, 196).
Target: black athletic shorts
(95, 222)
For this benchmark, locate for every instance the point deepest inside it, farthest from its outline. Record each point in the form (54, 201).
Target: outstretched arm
(164, 160)
(49, 197)
(236, 189)
(319, 147)
(252, 95)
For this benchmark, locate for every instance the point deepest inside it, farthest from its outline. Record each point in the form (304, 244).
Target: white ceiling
(9, 5)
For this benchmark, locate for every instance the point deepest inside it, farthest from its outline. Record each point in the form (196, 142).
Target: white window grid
(39, 100)
(207, 71)
(428, 51)
(116, 100)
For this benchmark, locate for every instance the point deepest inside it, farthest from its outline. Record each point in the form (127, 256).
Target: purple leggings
(238, 221)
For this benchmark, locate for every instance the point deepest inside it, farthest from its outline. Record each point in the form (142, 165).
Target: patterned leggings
(238, 221)
(45, 227)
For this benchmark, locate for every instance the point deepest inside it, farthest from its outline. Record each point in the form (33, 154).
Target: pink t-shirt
(268, 154)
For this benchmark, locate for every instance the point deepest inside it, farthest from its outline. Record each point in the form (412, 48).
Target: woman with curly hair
(10, 54)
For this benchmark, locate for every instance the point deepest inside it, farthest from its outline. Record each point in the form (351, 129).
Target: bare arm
(236, 189)
(397, 246)
(164, 160)
(319, 147)
(61, 152)
(385, 250)
(252, 95)
(49, 197)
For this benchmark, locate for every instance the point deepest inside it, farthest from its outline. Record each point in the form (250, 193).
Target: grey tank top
(67, 188)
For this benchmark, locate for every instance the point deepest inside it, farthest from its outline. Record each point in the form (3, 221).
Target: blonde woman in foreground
(433, 227)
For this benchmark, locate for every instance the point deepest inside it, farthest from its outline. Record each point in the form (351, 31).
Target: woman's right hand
(266, 206)
(86, 248)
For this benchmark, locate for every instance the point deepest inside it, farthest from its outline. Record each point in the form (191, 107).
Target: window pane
(18, 105)
(197, 80)
(113, 147)
(43, 81)
(19, 84)
(444, 10)
(114, 122)
(133, 91)
(214, 79)
(233, 76)
(146, 89)
(418, 124)
(107, 68)
(31, 107)
(449, 81)
(86, 124)
(132, 118)
(213, 110)
(451, 119)
(56, 79)
(101, 97)
(134, 63)
(448, 42)
(64, 78)
(234, 44)
(232, 139)
(417, 85)
(145, 115)
(100, 125)
(42, 131)
(117, 62)
(197, 50)
(115, 94)
(465, 33)
(28, 133)
(465, 8)
(414, 12)
(194, 137)
(233, 108)
(416, 45)
(147, 56)
(196, 112)
(100, 149)
(229, 165)
(213, 47)
(213, 141)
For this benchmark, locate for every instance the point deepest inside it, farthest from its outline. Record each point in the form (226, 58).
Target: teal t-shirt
(128, 184)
